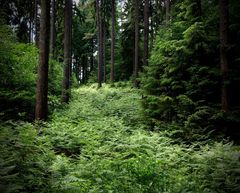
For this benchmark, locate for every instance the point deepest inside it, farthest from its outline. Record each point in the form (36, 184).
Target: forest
(119, 96)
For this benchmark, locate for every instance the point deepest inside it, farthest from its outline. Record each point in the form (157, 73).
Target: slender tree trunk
(151, 25)
(101, 42)
(92, 57)
(36, 23)
(99, 26)
(30, 31)
(146, 32)
(77, 71)
(223, 6)
(113, 41)
(167, 4)
(104, 50)
(136, 47)
(83, 69)
(53, 30)
(67, 50)
(41, 109)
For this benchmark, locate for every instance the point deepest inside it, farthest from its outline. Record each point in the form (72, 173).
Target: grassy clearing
(99, 143)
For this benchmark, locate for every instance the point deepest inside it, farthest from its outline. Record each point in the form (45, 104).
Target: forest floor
(101, 143)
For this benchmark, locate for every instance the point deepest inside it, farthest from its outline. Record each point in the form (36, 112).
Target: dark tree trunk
(100, 54)
(223, 6)
(67, 50)
(53, 29)
(92, 57)
(30, 31)
(113, 41)
(83, 69)
(104, 50)
(151, 25)
(77, 71)
(167, 4)
(136, 46)
(41, 109)
(36, 23)
(146, 32)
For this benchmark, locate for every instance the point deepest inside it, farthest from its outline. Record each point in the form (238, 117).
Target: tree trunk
(99, 26)
(104, 50)
(30, 31)
(36, 23)
(167, 4)
(53, 30)
(41, 109)
(83, 69)
(223, 6)
(92, 56)
(67, 50)
(113, 41)
(151, 25)
(136, 47)
(146, 32)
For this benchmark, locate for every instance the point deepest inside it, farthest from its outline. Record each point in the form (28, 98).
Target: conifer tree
(67, 50)
(146, 32)
(224, 63)
(113, 40)
(136, 42)
(41, 109)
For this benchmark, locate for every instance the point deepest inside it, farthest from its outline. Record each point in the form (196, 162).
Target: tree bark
(67, 50)
(151, 25)
(41, 109)
(36, 23)
(113, 41)
(104, 50)
(99, 27)
(146, 32)
(223, 6)
(136, 46)
(92, 56)
(167, 3)
(53, 30)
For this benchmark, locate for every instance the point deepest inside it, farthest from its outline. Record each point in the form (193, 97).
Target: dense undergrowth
(100, 143)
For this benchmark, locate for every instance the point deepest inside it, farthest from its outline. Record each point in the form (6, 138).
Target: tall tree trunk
(53, 30)
(30, 31)
(151, 25)
(36, 23)
(136, 46)
(113, 41)
(92, 56)
(83, 69)
(99, 26)
(41, 109)
(223, 6)
(167, 4)
(146, 32)
(67, 50)
(104, 50)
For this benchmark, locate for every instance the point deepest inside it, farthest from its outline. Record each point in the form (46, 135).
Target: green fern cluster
(99, 143)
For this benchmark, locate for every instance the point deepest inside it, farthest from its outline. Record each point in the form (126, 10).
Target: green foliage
(25, 159)
(18, 68)
(100, 145)
(18, 73)
(182, 82)
(55, 77)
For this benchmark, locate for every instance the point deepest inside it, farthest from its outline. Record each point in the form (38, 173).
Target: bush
(25, 159)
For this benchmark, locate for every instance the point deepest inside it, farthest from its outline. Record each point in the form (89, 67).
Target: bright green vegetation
(100, 143)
